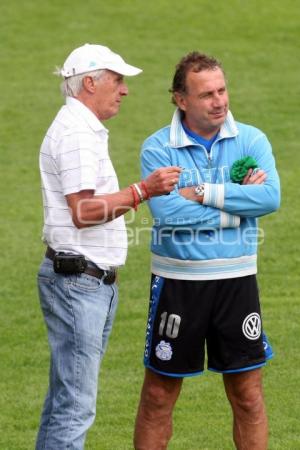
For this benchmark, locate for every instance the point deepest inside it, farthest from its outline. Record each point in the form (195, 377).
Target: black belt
(109, 276)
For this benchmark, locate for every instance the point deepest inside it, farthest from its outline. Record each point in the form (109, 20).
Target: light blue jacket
(219, 238)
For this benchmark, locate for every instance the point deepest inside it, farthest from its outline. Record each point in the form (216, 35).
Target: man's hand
(255, 177)
(189, 194)
(162, 181)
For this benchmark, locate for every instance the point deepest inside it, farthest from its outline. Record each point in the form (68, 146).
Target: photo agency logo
(179, 230)
(185, 235)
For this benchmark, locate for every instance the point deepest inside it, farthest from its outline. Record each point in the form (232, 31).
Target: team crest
(164, 351)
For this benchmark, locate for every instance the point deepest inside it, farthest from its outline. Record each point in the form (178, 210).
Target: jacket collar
(178, 137)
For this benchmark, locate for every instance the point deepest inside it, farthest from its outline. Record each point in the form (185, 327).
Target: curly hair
(192, 62)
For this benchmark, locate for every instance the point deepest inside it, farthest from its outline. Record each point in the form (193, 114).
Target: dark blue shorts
(221, 315)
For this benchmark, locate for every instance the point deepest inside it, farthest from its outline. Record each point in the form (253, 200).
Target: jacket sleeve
(249, 200)
(174, 209)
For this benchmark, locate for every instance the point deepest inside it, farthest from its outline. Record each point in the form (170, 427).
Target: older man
(85, 234)
(204, 291)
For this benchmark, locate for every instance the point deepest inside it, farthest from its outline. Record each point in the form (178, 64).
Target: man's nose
(217, 100)
(124, 89)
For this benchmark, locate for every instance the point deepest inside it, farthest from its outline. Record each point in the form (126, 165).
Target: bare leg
(153, 428)
(250, 424)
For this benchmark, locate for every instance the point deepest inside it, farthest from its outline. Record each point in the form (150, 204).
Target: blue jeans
(79, 311)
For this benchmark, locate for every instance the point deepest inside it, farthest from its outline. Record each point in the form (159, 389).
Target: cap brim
(124, 69)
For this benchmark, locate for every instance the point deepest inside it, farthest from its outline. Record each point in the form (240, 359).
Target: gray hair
(72, 86)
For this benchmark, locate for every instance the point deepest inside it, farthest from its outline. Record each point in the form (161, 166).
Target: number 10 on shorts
(169, 324)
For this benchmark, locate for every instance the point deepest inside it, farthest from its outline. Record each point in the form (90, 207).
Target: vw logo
(252, 326)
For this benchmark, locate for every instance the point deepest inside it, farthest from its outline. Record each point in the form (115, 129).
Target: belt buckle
(110, 277)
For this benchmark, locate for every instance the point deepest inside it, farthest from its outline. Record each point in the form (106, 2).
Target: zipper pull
(209, 160)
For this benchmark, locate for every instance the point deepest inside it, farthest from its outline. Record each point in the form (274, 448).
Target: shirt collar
(85, 113)
(179, 138)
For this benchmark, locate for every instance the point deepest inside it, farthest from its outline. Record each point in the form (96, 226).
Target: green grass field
(258, 43)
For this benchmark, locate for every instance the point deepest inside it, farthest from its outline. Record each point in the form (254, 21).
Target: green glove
(240, 168)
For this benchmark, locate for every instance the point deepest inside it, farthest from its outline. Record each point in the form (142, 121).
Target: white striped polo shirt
(74, 156)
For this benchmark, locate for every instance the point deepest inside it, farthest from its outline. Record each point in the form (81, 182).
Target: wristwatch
(200, 190)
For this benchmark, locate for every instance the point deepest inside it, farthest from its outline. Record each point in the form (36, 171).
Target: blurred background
(258, 44)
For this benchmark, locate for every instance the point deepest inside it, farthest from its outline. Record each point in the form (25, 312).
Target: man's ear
(88, 84)
(180, 100)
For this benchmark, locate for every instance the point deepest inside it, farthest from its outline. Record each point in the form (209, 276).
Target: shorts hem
(242, 369)
(174, 375)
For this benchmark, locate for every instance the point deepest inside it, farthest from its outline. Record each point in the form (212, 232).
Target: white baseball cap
(93, 57)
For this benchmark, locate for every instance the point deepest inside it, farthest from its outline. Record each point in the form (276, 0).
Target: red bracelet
(143, 184)
(135, 197)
